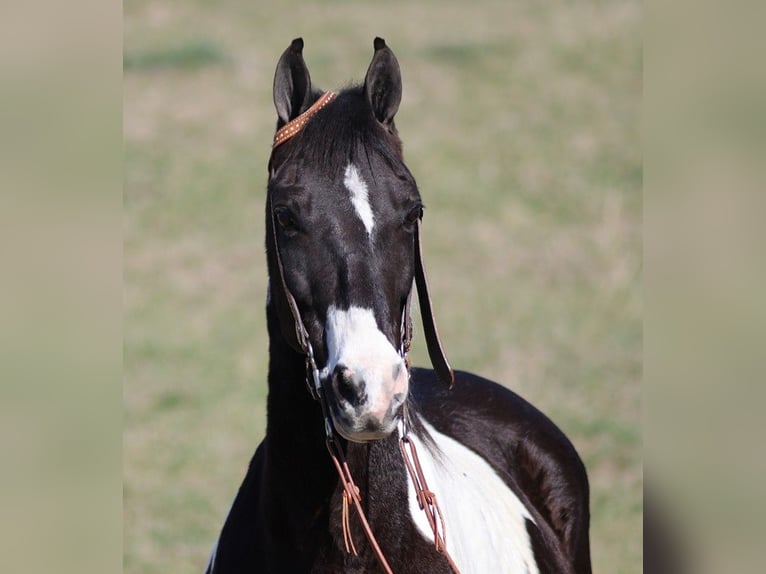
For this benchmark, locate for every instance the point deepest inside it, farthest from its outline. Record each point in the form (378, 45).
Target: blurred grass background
(520, 121)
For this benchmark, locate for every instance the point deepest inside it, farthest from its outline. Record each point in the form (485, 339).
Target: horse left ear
(383, 83)
(292, 83)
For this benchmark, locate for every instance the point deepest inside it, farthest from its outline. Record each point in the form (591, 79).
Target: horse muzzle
(365, 403)
(365, 379)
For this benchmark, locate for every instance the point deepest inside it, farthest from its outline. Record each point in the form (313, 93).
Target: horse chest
(485, 521)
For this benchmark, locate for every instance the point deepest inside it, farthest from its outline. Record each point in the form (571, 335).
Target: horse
(428, 470)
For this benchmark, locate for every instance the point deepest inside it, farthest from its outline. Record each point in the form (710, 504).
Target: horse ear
(383, 83)
(292, 83)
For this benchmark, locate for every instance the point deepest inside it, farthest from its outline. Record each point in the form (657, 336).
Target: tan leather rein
(351, 492)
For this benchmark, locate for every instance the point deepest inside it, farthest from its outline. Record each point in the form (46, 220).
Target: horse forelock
(345, 131)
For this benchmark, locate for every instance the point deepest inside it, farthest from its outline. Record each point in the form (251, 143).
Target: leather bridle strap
(297, 124)
(435, 351)
(298, 337)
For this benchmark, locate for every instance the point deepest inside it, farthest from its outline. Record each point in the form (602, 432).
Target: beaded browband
(294, 126)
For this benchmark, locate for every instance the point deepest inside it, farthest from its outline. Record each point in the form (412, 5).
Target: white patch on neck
(485, 521)
(359, 197)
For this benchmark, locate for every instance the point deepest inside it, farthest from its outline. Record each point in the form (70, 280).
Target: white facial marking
(359, 197)
(354, 341)
(485, 521)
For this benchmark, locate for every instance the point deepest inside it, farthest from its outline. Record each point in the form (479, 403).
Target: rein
(351, 492)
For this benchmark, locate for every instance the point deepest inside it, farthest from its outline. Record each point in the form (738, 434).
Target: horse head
(343, 241)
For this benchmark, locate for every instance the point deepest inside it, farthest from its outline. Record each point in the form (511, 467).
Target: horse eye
(414, 214)
(286, 219)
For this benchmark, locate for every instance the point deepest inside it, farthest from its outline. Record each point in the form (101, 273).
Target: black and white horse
(342, 235)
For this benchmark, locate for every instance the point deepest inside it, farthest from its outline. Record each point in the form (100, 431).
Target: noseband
(299, 339)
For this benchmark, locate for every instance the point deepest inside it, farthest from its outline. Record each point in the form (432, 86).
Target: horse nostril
(343, 382)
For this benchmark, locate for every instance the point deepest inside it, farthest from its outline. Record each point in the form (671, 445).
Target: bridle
(299, 339)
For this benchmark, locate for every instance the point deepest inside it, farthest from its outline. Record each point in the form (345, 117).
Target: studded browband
(297, 124)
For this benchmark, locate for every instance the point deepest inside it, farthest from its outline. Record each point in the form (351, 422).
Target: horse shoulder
(526, 449)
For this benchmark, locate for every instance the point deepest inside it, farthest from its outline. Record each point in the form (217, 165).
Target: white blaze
(360, 197)
(354, 341)
(485, 521)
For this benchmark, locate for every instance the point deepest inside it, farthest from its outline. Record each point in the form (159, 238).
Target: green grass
(190, 55)
(521, 124)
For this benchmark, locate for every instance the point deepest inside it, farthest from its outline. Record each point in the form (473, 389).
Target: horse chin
(362, 431)
(362, 437)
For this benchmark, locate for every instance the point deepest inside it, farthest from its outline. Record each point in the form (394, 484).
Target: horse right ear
(383, 83)
(292, 83)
